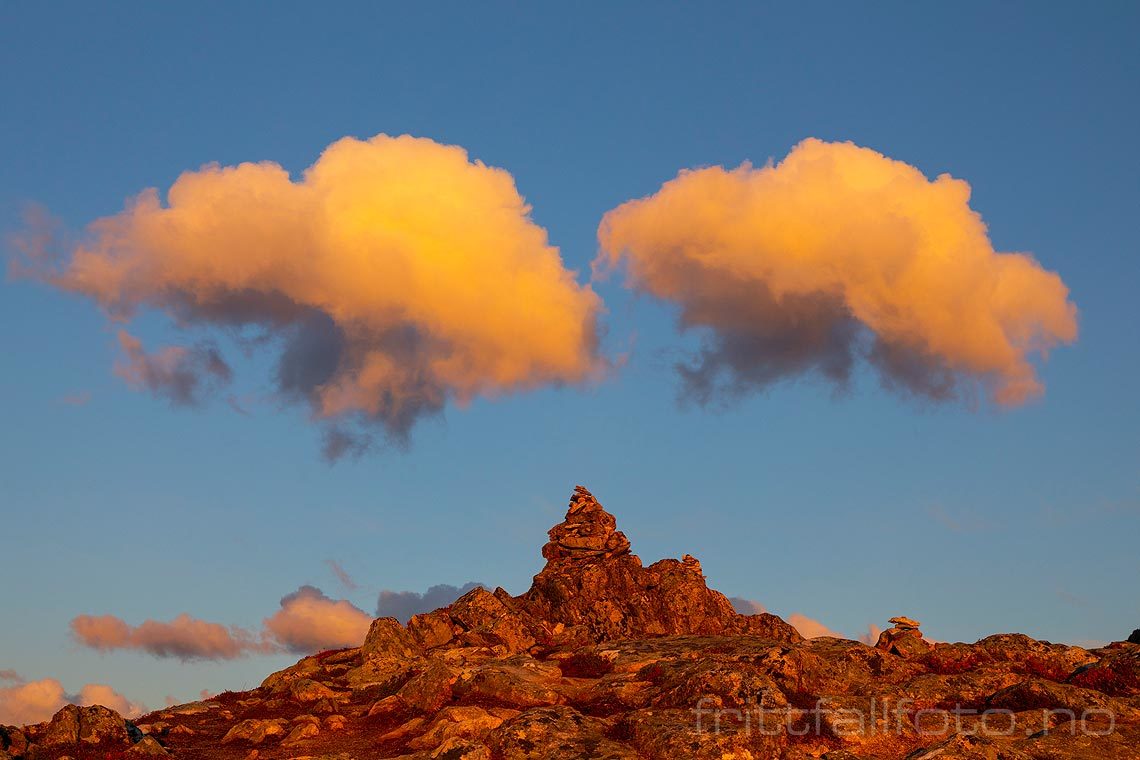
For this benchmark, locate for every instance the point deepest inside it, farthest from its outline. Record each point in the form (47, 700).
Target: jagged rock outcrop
(604, 658)
(593, 583)
(1135, 637)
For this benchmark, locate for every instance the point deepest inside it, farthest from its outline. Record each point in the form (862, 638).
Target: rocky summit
(605, 658)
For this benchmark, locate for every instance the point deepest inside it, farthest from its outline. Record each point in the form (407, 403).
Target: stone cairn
(588, 533)
(904, 639)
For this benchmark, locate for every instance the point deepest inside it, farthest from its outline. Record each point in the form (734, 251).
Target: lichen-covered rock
(1041, 658)
(387, 674)
(74, 725)
(13, 741)
(62, 730)
(471, 723)
(549, 732)
(663, 733)
(388, 639)
(147, 747)
(460, 749)
(254, 731)
(299, 734)
(520, 681)
(967, 747)
(487, 621)
(308, 690)
(279, 681)
(1116, 674)
(1039, 694)
(429, 689)
(431, 629)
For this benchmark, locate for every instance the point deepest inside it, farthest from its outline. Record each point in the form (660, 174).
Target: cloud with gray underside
(403, 604)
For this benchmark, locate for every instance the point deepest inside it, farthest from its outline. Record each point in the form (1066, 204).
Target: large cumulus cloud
(394, 275)
(837, 254)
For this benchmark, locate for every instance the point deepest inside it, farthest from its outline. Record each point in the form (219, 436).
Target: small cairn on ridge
(904, 639)
(588, 533)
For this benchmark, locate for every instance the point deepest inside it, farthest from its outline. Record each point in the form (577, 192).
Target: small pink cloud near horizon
(308, 621)
(27, 702)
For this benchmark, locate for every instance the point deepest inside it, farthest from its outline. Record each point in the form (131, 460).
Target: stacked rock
(904, 639)
(589, 532)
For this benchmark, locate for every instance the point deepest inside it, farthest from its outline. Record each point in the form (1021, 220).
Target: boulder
(279, 681)
(470, 723)
(307, 690)
(431, 629)
(255, 731)
(62, 730)
(550, 732)
(390, 709)
(147, 747)
(430, 689)
(516, 682)
(74, 725)
(487, 621)
(300, 734)
(388, 639)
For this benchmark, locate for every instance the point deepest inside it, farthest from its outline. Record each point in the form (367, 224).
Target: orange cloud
(31, 702)
(395, 274)
(834, 254)
(184, 637)
(36, 701)
(811, 629)
(309, 621)
(101, 694)
(871, 636)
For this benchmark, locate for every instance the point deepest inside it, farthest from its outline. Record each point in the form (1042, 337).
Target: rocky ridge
(606, 658)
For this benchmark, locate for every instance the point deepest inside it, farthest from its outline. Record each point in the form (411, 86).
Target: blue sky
(848, 508)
